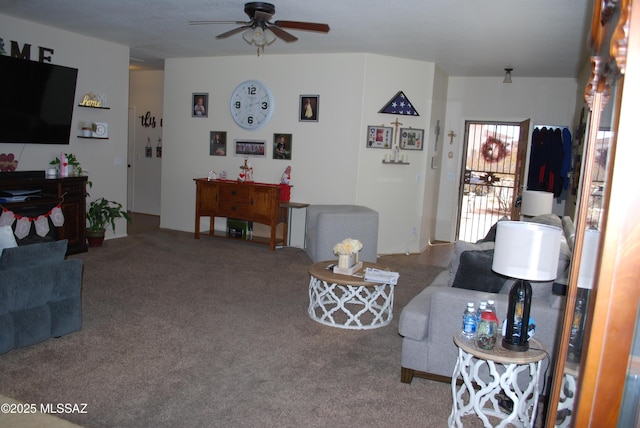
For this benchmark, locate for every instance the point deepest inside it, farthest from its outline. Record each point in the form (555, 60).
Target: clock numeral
(237, 104)
(265, 105)
(250, 120)
(251, 90)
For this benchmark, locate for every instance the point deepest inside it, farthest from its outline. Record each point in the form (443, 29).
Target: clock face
(251, 104)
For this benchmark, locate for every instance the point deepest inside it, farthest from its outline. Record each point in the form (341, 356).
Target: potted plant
(72, 161)
(102, 213)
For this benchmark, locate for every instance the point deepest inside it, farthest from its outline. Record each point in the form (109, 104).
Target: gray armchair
(39, 294)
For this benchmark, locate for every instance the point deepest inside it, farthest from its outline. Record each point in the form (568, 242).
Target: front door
(492, 178)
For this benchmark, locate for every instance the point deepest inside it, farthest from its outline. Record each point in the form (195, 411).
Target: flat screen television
(36, 101)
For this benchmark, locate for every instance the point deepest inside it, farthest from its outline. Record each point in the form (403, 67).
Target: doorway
(492, 176)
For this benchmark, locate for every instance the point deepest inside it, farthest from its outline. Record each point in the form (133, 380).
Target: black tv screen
(36, 101)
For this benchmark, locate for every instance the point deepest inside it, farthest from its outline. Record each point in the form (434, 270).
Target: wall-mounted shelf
(100, 108)
(395, 163)
(93, 138)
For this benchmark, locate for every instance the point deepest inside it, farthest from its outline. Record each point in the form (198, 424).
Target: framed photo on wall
(282, 146)
(199, 104)
(411, 139)
(309, 108)
(218, 143)
(254, 148)
(379, 137)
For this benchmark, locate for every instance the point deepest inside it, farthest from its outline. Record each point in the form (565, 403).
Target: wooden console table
(69, 193)
(256, 202)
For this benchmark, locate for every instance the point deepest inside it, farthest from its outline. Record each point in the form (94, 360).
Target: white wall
(330, 162)
(146, 99)
(543, 100)
(103, 67)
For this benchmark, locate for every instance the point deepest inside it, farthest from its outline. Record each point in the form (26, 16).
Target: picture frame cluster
(282, 144)
(381, 137)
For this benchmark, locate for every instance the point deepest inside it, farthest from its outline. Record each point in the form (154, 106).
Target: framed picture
(218, 143)
(282, 146)
(411, 139)
(309, 108)
(379, 137)
(254, 148)
(199, 104)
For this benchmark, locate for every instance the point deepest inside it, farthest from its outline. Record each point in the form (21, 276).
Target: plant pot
(95, 237)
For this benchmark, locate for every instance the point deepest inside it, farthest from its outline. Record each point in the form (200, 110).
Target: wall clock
(251, 104)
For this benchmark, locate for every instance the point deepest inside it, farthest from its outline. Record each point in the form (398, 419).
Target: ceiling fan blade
(261, 16)
(308, 26)
(279, 32)
(232, 32)
(218, 22)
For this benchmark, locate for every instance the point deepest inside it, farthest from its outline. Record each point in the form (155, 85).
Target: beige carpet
(212, 332)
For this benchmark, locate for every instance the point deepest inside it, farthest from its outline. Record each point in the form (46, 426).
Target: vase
(487, 331)
(346, 260)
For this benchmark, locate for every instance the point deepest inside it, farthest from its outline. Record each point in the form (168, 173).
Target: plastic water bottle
(469, 322)
(481, 308)
(491, 305)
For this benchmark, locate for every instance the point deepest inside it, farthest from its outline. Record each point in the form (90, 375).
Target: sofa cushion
(7, 240)
(548, 219)
(475, 273)
(491, 234)
(458, 248)
(35, 254)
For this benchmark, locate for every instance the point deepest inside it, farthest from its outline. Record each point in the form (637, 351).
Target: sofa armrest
(414, 318)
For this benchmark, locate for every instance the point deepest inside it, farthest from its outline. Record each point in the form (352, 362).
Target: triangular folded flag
(399, 104)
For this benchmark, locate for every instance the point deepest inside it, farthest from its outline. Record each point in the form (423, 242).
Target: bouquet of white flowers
(348, 246)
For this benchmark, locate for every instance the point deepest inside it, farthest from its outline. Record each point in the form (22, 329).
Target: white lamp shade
(527, 251)
(536, 202)
(589, 258)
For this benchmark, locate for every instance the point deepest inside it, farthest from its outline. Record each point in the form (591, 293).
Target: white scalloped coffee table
(348, 301)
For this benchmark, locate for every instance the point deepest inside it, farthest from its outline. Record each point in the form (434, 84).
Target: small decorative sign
(92, 100)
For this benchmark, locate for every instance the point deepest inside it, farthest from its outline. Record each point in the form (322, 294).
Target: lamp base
(516, 335)
(515, 348)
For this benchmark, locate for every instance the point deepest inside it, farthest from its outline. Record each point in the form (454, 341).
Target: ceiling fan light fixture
(258, 36)
(507, 75)
(269, 37)
(248, 35)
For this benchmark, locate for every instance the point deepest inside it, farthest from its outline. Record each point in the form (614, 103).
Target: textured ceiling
(541, 38)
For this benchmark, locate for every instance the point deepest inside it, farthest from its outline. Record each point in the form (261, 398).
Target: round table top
(499, 354)
(319, 270)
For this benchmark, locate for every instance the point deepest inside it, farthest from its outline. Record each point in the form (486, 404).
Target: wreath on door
(494, 150)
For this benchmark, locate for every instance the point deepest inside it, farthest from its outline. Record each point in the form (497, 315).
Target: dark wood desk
(256, 202)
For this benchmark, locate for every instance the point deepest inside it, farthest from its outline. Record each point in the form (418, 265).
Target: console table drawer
(233, 208)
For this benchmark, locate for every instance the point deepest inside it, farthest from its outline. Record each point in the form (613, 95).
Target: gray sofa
(429, 321)
(39, 294)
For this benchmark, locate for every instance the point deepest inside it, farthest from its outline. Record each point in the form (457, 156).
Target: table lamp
(536, 202)
(526, 252)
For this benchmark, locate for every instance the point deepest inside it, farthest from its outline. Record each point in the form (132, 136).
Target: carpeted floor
(215, 333)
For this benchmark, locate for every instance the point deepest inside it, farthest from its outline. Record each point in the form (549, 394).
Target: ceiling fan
(260, 31)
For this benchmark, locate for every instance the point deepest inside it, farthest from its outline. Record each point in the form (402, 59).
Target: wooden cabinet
(255, 202)
(69, 193)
